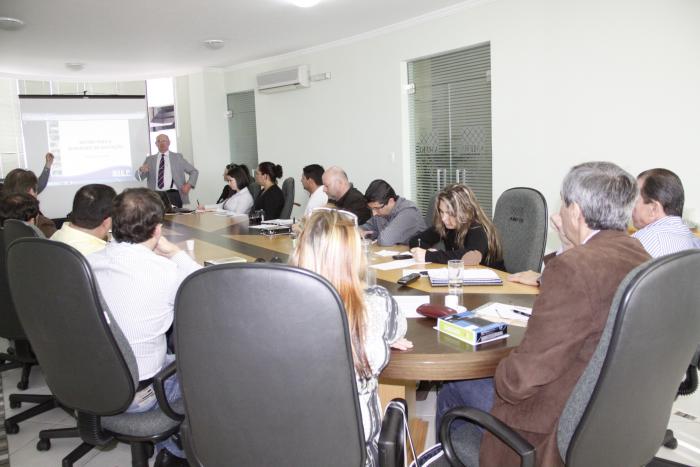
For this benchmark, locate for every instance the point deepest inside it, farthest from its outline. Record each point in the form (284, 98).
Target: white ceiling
(137, 39)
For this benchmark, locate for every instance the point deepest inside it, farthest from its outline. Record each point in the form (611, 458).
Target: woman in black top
(271, 198)
(464, 228)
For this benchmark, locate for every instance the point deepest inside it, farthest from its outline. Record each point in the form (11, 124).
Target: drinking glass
(455, 267)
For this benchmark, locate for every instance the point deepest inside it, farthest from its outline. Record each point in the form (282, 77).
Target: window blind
(450, 124)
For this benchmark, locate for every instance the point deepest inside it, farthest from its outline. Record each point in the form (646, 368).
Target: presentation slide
(93, 139)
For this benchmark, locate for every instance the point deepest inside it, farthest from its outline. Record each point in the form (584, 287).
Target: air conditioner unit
(284, 80)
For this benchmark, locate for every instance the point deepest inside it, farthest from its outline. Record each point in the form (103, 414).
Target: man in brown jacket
(534, 382)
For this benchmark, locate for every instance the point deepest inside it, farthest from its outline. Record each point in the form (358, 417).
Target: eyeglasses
(347, 215)
(376, 208)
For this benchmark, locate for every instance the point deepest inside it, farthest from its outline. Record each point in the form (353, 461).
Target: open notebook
(476, 276)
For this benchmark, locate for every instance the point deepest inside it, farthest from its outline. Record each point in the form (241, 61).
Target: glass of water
(455, 269)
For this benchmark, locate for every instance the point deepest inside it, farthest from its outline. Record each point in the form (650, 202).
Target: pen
(524, 313)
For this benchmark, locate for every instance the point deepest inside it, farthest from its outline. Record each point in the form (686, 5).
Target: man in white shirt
(657, 214)
(312, 181)
(90, 219)
(139, 274)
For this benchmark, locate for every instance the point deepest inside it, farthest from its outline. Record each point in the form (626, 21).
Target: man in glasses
(344, 195)
(394, 219)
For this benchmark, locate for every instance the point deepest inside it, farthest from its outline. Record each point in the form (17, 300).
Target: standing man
(532, 384)
(344, 195)
(90, 219)
(394, 219)
(43, 179)
(657, 214)
(167, 170)
(139, 274)
(312, 181)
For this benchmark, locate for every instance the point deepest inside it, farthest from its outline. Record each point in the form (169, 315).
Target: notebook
(475, 276)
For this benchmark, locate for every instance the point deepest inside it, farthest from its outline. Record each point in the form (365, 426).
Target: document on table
(503, 312)
(409, 303)
(398, 264)
(386, 253)
(279, 221)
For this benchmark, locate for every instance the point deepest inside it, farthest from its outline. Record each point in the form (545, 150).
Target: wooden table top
(435, 356)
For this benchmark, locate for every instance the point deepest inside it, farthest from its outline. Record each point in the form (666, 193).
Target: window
(450, 123)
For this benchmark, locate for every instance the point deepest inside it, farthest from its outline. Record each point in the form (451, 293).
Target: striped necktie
(161, 171)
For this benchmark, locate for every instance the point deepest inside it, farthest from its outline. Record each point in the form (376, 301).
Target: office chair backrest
(70, 328)
(15, 229)
(254, 189)
(9, 323)
(619, 409)
(521, 220)
(288, 192)
(266, 369)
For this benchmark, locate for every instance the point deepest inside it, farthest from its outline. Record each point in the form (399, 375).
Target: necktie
(161, 171)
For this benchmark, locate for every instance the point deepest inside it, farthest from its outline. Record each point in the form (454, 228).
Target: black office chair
(521, 220)
(618, 411)
(88, 363)
(688, 386)
(288, 192)
(20, 353)
(266, 371)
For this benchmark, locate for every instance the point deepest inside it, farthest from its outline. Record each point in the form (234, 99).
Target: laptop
(170, 208)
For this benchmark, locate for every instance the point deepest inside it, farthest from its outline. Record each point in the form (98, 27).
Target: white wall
(209, 132)
(571, 81)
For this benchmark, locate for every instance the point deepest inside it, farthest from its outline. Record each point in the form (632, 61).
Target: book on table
(467, 327)
(230, 259)
(471, 276)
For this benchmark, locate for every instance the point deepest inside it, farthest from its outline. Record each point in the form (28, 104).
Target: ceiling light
(10, 24)
(305, 3)
(213, 44)
(75, 66)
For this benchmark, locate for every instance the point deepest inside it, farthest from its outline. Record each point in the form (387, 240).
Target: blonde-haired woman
(463, 227)
(330, 245)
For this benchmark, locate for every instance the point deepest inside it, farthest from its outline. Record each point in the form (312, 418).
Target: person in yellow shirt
(90, 219)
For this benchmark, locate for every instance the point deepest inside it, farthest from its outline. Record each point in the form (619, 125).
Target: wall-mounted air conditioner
(284, 80)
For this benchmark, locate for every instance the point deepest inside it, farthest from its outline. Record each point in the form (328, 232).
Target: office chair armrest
(487, 421)
(159, 388)
(391, 437)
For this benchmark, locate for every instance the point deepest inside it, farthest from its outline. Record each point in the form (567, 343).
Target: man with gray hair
(344, 195)
(532, 384)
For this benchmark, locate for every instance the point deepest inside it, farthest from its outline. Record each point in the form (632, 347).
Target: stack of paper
(438, 277)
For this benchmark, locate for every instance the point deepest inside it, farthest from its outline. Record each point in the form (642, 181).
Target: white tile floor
(23, 451)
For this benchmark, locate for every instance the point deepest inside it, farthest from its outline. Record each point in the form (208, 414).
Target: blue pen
(524, 313)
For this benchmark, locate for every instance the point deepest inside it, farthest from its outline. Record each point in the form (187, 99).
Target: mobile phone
(407, 279)
(403, 256)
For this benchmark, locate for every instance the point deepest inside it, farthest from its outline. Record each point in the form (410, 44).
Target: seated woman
(241, 200)
(463, 227)
(271, 198)
(330, 245)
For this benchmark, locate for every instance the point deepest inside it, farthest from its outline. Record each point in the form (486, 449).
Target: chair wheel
(11, 428)
(671, 443)
(22, 385)
(43, 445)
(15, 404)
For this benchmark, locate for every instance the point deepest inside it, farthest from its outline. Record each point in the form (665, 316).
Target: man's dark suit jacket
(534, 382)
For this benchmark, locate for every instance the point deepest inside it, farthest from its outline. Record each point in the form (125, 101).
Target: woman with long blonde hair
(464, 228)
(330, 245)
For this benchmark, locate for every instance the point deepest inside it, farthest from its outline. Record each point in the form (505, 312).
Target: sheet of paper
(398, 264)
(386, 253)
(494, 311)
(409, 303)
(467, 274)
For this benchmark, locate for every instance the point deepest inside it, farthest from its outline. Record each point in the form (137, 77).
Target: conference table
(434, 356)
